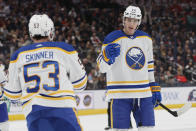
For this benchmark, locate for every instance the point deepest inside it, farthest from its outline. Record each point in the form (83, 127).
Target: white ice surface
(164, 122)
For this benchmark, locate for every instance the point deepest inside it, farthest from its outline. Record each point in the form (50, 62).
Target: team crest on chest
(135, 58)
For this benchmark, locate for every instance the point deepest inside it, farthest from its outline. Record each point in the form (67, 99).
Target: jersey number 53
(52, 76)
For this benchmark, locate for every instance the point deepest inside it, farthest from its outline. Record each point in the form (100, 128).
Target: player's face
(130, 25)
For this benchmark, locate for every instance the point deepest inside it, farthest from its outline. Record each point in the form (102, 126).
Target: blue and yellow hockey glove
(156, 98)
(156, 93)
(110, 52)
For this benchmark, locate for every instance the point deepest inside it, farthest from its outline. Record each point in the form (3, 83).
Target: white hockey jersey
(3, 79)
(45, 74)
(132, 74)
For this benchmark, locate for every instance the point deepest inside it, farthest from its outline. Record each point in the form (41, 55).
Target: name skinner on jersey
(39, 55)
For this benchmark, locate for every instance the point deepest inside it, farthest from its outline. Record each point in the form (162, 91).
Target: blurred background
(85, 23)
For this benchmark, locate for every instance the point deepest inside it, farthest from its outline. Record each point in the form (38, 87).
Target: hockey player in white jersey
(127, 60)
(4, 125)
(44, 76)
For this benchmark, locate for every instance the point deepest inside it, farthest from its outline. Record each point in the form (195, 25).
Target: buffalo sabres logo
(135, 58)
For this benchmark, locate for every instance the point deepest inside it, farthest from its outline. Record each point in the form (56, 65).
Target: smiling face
(130, 25)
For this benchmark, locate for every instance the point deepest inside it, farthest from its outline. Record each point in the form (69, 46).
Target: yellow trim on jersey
(13, 117)
(150, 66)
(115, 40)
(77, 118)
(49, 98)
(53, 93)
(27, 96)
(155, 88)
(127, 82)
(119, 39)
(125, 37)
(55, 98)
(61, 91)
(23, 106)
(71, 52)
(127, 91)
(105, 57)
(98, 64)
(111, 113)
(12, 96)
(82, 83)
(143, 37)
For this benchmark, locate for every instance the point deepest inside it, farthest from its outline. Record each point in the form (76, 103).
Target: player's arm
(107, 56)
(12, 89)
(102, 65)
(155, 87)
(151, 65)
(3, 80)
(77, 73)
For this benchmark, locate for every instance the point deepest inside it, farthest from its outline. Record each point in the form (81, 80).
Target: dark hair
(39, 37)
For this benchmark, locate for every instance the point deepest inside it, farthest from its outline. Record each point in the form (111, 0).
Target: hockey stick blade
(184, 109)
(180, 111)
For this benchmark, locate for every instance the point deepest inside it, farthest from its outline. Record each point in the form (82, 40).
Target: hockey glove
(156, 98)
(156, 94)
(110, 52)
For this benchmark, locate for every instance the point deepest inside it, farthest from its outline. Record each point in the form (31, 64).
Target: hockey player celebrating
(38, 76)
(127, 60)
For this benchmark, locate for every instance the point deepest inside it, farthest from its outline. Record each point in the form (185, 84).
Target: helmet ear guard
(41, 25)
(133, 12)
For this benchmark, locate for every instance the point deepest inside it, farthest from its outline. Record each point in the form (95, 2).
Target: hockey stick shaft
(180, 111)
(174, 113)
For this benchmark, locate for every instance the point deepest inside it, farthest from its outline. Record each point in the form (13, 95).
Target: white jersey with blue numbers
(132, 73)
(45, 74)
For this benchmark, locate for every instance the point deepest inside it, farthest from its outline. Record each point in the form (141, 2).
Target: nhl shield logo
(135, 58)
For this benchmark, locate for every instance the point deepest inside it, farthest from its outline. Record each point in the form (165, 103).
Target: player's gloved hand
(156, 98)
(156, 93)
(110, 52)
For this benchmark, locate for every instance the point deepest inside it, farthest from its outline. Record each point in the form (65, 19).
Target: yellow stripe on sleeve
(105, 57)
(82, 83)
(150, 66)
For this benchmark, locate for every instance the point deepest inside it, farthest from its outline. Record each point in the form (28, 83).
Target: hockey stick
(180, 111)
(137, 62)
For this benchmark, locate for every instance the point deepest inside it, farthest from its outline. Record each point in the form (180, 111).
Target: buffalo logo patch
(135, 58)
